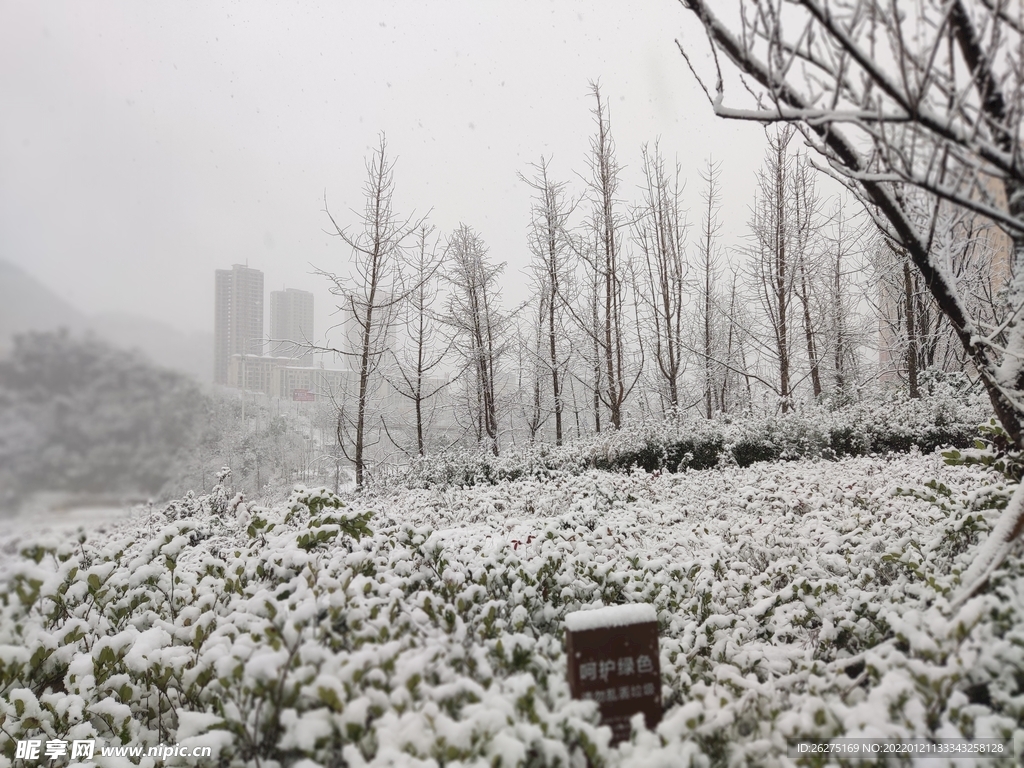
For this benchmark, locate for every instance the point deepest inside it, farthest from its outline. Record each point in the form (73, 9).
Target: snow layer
(795, 600)
(611, 616)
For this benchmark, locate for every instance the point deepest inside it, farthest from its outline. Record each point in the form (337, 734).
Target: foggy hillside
(28, 305)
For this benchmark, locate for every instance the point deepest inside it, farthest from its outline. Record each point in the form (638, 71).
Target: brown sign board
(613, 660)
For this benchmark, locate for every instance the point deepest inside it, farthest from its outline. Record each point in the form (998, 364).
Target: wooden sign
(613, 660)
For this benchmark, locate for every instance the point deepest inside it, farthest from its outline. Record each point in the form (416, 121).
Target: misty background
(142, 148)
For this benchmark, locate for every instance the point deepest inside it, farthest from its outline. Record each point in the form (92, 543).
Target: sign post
(613, 660)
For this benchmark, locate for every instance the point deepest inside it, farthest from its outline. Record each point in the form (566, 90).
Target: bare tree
(900, 309)
(707, 273)
(550, 242)
(480, 326)
(370, 296)
(529, 402)
(734, 357)
(536, 417)
(590, 323)
(659, 226)
(914, 330)
(842, 239)
(926, 96)
(610, 270)
(805, 213)
(774, 228)
(414, 373)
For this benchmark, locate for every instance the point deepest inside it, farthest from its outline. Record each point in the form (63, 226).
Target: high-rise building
(238, 317)
(291, 324)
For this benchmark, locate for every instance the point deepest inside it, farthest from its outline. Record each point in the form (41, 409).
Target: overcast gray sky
(143, 145)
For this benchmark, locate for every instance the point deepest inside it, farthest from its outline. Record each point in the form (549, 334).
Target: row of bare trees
(631, 315)
(394, 281)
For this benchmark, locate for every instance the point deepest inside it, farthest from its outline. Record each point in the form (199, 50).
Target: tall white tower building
(291, 324)
(238, 317)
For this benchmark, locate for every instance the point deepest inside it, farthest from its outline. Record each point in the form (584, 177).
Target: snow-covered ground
(87, 518)
(804, 599)
(62, 523)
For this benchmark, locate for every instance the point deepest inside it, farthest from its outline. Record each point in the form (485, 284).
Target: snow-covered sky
(144, 145)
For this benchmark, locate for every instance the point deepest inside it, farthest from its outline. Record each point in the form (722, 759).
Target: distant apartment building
(307, 384)
(258, 373)
(291, 324)
(284, 377)
(238, 317)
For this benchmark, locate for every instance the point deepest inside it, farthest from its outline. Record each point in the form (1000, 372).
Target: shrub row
(945, 418)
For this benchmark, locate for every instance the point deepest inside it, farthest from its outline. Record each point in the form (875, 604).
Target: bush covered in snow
(888, 422)
(806, 599)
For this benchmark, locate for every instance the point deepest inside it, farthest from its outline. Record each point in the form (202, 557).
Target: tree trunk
(554, 289)
(812, 355)
(781, 276)
(839, 322)
(597, 359)
(556, 391)
(708, 400)
(908, 298)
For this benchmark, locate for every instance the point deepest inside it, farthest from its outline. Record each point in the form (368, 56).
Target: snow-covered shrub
(798, 599)
(888, 422)
(994, 449)
(749, 449)
(216, 502)
(971, 513)
(946, 415)
(463, 468)
(671, 450)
